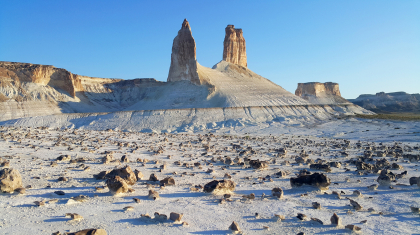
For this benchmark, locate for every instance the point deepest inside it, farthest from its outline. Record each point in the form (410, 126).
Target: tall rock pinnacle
(234, 50)
(183, 57)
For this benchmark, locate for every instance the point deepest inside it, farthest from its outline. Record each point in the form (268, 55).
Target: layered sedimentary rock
(320, 93)
(40, 74)
(183, 57)
(234, 49)
(317, 89)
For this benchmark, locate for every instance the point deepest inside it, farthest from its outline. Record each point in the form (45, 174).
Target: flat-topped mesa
(43, 74)
(317, 89)
(183, 57)
(234, 49)
(320, 93)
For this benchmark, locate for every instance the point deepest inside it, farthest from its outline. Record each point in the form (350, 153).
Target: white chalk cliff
(192, 96)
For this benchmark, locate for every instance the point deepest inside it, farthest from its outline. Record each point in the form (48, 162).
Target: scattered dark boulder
(318, 180)
(217, 186)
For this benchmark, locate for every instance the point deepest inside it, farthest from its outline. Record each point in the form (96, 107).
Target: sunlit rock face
(317, 89)
(234, 49)
(320, 93)
(40, 74)
(183, 57)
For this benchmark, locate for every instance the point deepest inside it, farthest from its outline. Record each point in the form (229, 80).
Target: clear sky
(365, 46)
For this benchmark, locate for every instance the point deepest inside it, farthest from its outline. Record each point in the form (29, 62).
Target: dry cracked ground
(66, 181)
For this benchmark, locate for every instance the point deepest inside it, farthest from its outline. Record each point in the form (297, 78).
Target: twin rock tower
(184, 65)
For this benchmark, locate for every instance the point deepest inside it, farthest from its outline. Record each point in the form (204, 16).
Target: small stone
(335, 220)
(353, 228)
(414, 209)
(317, 220)
(62, 179)
(90, 231)
(355, 205)
(20, 190)
(74, 216)
(136, 200)
(234, 227)
(153, 195)
(316, 205)
(128, 208)
(176, 217)
(266, 228)
(373, 187)
(279, 217)
(168, 181)
(153, 177)
(301, 216)
(357, 193)
(277, 192)
(39, 203)
(160, 217)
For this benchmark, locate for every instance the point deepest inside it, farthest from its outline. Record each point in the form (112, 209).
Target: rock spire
(234, 49)
(183, 57)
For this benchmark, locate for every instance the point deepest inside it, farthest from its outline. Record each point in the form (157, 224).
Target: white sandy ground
(32, 157)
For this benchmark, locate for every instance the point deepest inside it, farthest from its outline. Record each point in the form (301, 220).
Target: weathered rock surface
(10, 180)
(318, 180)
(234, 48)
(277, 192)
(183, 57)
(117, 185)
(219, 186)
(386, 177)
(335, 220)
(125, 173)
(42, 74)
(320, 93)
(176, 217)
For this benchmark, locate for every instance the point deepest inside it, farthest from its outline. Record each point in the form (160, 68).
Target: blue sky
(365, 46)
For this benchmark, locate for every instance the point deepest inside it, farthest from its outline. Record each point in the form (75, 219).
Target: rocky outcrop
(234, 49)
(10, 180)
(183, 57)
(320, 93)
(40, 74)
(389, 102)
(317, 89)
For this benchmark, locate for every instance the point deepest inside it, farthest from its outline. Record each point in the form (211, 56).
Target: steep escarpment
(389, 102)
(234, 48)
(320, 93)
(42, 74)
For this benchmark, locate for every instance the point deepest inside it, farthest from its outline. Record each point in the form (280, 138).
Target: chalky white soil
(33, 153)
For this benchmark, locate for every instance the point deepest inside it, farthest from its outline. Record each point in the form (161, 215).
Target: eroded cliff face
(317, 89)
(234, 49)
(320, 93)
(183, 57)
(17, 73)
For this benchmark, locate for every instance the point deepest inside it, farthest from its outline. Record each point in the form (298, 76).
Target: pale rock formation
(234, 49)
(183, 57)
(10, 180)
(320, 93)
(317, 89)
(40, 74)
